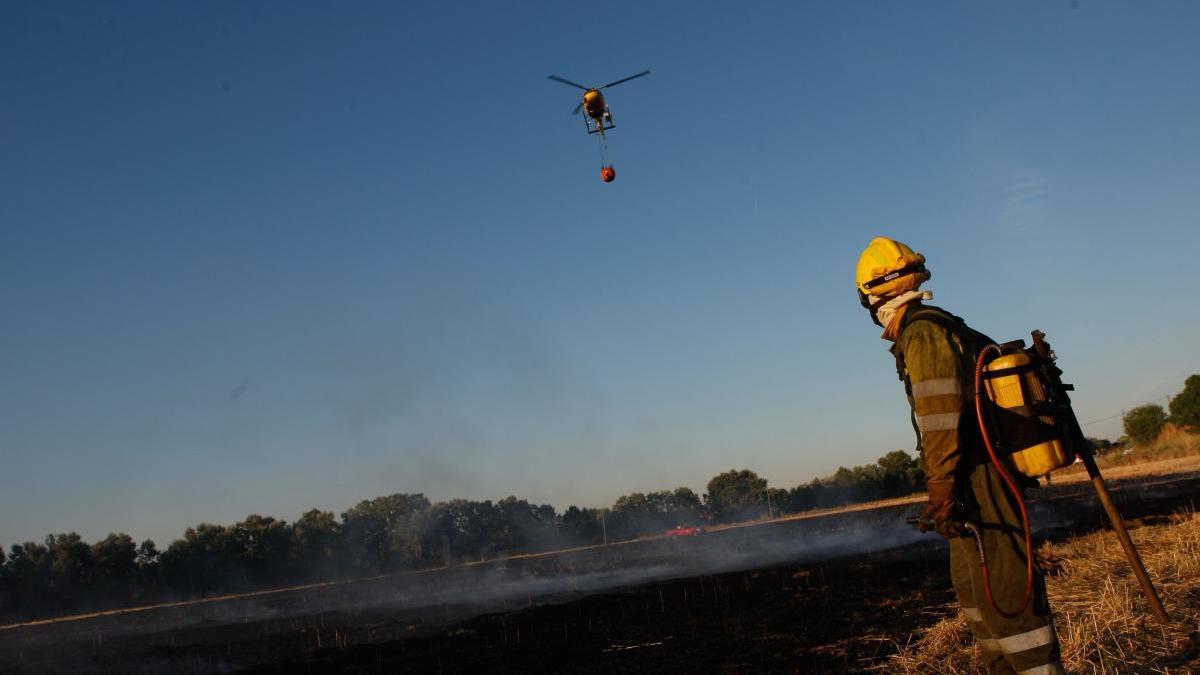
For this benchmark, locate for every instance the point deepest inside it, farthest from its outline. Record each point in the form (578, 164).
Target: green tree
(802, 497)
(29, 577)
(683, 506)
(778, 500)
(116, 565)
(736, 494)
(900, 473)
(1185, 407)
(637, 514)
(147, 564)
(581, 526)
(384, 533)
(1143, 423)
(5, 587)
(630, 516)
(262, 545)
(471, 530)
(315, 539)
(204, 560)
(860, 483)
(524, 526)
(147, 554)
(72, 567)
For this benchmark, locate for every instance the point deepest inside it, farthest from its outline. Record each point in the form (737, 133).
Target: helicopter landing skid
(594, 127)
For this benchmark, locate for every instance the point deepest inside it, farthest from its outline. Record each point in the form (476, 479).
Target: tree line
(393, 533)
(1144, 423)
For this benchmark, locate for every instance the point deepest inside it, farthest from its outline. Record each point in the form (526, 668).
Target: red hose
(1016, 491)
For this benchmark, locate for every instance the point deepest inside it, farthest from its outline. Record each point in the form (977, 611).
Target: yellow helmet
(888, 268)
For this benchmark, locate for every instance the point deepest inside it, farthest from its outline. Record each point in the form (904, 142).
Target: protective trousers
(1028, 643)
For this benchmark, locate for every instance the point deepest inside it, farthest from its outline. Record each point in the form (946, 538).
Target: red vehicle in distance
(685, 531)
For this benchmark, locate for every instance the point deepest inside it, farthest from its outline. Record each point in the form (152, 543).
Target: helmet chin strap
(883, 310)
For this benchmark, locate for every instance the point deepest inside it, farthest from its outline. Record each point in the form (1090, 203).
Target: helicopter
(597, 117)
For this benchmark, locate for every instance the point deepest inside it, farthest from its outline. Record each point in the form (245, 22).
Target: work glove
(942, 511)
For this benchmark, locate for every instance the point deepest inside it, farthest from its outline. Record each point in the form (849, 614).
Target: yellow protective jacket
(938, 371)
(935, 355)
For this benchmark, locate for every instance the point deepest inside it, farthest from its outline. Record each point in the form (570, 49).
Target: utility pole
(770, 514)
(604, 525)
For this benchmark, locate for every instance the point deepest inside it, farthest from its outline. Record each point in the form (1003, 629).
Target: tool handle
(1131, 552)
(1083, 448)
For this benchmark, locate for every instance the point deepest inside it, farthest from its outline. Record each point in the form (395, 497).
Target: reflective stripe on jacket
(939, 377)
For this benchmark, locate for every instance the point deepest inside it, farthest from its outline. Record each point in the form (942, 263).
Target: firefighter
(935, 357)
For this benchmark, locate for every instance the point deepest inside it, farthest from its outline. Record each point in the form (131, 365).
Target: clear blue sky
(262, 257)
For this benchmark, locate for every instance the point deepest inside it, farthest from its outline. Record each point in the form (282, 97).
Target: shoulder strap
(971, 343)
(972, 340)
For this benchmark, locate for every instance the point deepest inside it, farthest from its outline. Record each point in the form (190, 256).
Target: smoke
(451, 409)
(439, 597)
(429, 600)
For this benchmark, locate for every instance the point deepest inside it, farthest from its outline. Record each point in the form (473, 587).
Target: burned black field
(828, 594)
(786, 618)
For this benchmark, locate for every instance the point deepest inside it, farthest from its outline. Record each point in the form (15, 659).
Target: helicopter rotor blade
(631, 77)
(566, 81)
(577, 107)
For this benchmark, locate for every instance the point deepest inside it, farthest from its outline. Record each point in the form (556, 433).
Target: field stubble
(1104, 624)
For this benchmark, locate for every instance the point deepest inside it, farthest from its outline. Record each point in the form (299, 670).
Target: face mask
(883, 310)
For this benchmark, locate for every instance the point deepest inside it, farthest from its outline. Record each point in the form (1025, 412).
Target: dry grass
(945, 647)
(1149, 468)
(1103, 622)
(1176, 436)
(1172, 442)
(1176, 450)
